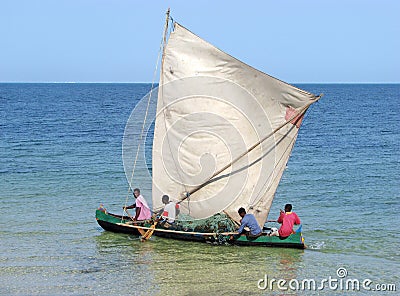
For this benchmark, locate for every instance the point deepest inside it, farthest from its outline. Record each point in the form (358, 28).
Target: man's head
(165, 199)
(242, 212)
(288, 208)
(136, 192)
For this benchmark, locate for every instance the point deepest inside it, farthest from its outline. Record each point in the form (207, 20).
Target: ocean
(61, 156)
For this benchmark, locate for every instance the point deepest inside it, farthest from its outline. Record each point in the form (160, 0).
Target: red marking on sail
(290, 112)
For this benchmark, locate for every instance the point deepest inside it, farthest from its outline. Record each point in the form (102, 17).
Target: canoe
(123, 224)
(116, 223)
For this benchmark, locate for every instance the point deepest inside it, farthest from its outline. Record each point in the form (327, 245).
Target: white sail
(211, 109)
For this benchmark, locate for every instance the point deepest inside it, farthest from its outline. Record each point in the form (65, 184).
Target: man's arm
(159, 213)
(296, 219)
(243, 225)
(129, 207)
(280, 219)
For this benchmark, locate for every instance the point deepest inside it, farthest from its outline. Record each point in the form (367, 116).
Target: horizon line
(139, 82)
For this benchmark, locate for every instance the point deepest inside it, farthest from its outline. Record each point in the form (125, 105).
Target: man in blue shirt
(250, 221)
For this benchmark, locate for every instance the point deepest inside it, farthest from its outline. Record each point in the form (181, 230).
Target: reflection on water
(186, 268)
(125, 264)
(170, 267)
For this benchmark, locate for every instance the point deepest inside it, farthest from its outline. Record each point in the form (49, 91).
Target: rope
(230, 217)
(302, 110)
(178, 231)
(276, 176)
(291, 144)
(147, 111)
(150, 231)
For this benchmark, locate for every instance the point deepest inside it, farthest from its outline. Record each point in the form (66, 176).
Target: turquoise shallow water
(60, 157)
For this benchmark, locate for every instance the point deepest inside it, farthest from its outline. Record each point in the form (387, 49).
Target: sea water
(60, 157)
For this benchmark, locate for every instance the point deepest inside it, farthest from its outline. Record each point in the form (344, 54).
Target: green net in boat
(217, 223)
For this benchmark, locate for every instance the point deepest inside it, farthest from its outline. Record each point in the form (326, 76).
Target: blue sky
(118, 41)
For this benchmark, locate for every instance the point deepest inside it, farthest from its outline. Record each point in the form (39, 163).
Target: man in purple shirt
(250, 221)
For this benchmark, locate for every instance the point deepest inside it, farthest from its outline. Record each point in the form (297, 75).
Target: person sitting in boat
(287, 218)
(169, 213)
(248, 220)
(142, 208)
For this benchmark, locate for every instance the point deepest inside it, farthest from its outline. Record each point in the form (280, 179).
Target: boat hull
(293, 241)
(115, 223)
(123, 224)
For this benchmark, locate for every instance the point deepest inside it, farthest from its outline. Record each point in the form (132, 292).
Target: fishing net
(216, 224)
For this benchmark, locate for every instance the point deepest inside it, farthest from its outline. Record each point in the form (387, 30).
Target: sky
(308, 41)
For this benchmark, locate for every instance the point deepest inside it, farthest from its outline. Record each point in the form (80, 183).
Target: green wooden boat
(123, 224)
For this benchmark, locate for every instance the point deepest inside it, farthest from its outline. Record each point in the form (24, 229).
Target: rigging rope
(291, 144)
(161, 49)
(300, 112)
(179, 231)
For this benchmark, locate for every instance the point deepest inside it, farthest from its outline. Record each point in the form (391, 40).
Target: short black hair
(288, 207)
(241, 210)
(165, 199)
(136, 189)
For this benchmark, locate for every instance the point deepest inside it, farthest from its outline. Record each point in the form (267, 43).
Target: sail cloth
(211, 108)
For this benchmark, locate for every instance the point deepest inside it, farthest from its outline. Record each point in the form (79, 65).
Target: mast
(164, 44)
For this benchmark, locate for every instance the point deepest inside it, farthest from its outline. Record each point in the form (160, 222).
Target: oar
(149, 232)
(229, 216)
(141, 231)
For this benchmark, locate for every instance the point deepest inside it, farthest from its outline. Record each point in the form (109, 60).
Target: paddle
(141, 231)
(149, 232)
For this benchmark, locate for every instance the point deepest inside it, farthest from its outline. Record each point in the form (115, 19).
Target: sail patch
(290, 112)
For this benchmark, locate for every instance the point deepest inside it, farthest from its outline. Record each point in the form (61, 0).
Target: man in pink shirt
(142, 208)
(287, 218)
